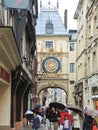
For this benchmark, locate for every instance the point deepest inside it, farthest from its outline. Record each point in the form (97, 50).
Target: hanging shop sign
(16, 4)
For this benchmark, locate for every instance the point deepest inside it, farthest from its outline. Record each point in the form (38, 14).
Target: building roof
(53, 16)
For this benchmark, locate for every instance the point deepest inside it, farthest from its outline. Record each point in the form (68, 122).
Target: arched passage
(50, 92)
(52, 85)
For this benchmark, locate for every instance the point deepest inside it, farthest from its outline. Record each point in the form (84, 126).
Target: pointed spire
(40, 4)
(49, 3)
(57, 4)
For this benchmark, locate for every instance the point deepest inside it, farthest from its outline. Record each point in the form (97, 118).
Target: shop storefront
(9, 59)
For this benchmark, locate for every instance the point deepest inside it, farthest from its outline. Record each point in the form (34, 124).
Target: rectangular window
(72, 46)
(72, 67)
(72, 81)
(49, 44)
(94, 63)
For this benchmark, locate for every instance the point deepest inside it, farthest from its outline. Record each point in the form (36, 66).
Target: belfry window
(49, 27)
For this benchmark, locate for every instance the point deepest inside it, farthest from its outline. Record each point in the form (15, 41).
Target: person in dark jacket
(47, 113)
(88, 123)
(55, 118)
(36, 121)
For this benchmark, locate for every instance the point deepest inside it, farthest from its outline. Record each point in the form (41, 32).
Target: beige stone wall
(87, 49)
(72, 76)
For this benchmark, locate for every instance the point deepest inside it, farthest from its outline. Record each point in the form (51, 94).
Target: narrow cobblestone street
(29, 127)
(43, 127)
(48, 64)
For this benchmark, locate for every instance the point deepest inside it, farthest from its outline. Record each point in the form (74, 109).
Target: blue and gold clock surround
(51, 64)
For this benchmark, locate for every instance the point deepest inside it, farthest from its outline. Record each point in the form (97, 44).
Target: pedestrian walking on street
(66, 124)
(95, 125)
(55, 118)
(36, 121)
(88, 123)
(76, 121)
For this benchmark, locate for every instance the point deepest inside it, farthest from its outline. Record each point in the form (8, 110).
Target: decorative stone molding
(93, 81)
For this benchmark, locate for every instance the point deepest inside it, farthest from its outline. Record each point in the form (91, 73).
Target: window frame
(73, 46)
(72, 67)
(49, 44)
(73, 82)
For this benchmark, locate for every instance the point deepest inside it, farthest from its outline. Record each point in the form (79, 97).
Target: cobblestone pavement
(29, 127)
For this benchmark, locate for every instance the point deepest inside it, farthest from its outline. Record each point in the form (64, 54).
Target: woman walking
(66, 124)
(76, 121)
(55, 118)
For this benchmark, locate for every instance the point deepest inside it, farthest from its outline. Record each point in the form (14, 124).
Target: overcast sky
(70, 5)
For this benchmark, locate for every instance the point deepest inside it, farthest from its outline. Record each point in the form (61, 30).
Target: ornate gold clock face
(51, 64)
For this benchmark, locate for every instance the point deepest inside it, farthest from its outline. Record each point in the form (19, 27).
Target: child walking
(66, 124)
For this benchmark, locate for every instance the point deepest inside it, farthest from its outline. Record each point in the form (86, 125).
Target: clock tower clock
(51, 64)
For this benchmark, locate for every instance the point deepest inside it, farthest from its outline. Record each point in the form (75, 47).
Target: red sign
(4, 74)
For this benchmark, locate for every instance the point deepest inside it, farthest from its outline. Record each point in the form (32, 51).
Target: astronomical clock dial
(51, 64)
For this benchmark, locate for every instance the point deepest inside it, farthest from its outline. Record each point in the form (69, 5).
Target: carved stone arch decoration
(52, 85)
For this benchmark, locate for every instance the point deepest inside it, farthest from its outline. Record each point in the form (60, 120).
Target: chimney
(65, 19)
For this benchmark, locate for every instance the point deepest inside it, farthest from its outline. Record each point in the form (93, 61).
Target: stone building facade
(86, 87)
(17, 60)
